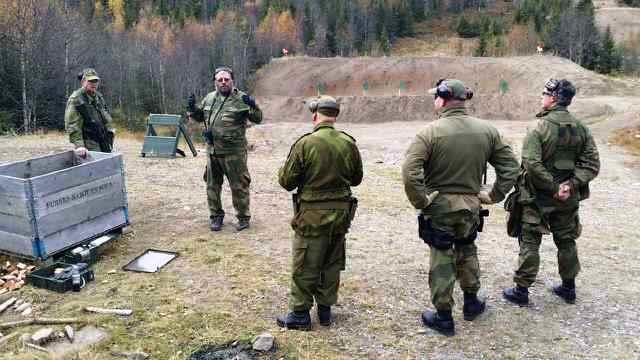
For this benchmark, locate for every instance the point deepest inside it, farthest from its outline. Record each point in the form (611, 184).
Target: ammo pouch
(440, 239)
(514, 209)
(207, 135)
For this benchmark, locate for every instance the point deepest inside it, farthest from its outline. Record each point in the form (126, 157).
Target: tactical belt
(326, 205)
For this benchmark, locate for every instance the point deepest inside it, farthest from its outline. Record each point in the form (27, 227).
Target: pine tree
(481, 50)
(308, 32)
(610, 59)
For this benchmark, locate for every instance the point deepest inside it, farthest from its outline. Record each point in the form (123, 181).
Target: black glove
(191, 103)
(249, 101)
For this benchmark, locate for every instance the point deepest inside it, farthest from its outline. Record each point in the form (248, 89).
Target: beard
(225, 90)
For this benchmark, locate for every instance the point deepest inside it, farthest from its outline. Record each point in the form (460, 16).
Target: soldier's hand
(485, 198)
(564, 191)
(251, 102)
(432, 196)
(81, 151)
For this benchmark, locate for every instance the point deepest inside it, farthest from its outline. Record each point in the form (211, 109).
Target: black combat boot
(472, 306)
(440, 321)
(518, 295)
(215, 223)
(295, 320)
(567, 291)
(242, 224)
(324, 315)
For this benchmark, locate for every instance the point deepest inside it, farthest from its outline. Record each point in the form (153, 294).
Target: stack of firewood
(13, 276)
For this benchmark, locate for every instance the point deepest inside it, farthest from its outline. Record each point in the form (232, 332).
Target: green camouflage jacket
(559, 148)
(322, 165)
(227, 118)
(450, 155)
(82, 133)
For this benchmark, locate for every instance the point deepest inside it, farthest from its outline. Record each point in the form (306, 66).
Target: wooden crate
(51, 203)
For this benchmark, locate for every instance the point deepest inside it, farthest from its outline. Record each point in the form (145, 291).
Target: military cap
(451, 89)
(325, 105)
(90, 74)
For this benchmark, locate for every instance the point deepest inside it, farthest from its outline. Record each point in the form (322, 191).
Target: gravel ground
(384, 287)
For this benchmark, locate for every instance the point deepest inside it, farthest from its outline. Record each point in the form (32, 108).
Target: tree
(610, 59)
(307, 25)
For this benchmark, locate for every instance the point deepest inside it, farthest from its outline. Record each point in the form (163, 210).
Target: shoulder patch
(349, 136)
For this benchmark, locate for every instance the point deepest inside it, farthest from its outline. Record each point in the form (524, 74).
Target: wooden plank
(79, 213)
(15, 225)
(39, 166)
(159, 145)
(75, 176)
(74, 235)
(68, 198)
(16, 244)
(15, 206)
(164, 119)
(12, 186)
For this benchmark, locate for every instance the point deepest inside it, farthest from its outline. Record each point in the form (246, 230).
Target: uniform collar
(554, 108)
(453, 111)
(322, 125)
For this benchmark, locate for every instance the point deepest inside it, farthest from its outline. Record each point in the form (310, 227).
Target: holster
(433, 237)
(513, 207)
(483, 214)
(353, 202)
(440, 239)
(295, 199)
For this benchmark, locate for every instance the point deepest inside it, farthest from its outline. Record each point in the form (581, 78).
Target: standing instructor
(225, 113)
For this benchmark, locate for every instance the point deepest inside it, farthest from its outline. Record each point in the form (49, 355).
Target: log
(7, 303)
(68, 330)
(34, 346)
(40, 321)
(124, 312)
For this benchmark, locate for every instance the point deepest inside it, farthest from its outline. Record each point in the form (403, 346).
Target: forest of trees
(152, 53)
(570, 31)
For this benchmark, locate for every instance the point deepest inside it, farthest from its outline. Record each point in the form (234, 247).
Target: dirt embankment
(394, 88)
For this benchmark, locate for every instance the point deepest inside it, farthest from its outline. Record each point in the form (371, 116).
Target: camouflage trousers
(234, 167)
(460, 262)
(565, 227)
(318, 256)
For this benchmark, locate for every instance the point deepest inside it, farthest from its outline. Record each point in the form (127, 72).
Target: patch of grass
(629, 138)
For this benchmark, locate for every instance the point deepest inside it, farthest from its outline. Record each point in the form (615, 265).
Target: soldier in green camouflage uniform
(323, 166)
(87, 119)
(442, 175)
(559, 159)
(225, 113)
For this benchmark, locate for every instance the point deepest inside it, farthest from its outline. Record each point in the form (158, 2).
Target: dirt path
(230, 286)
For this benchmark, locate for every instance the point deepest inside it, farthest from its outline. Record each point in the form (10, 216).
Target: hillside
(394, 88)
